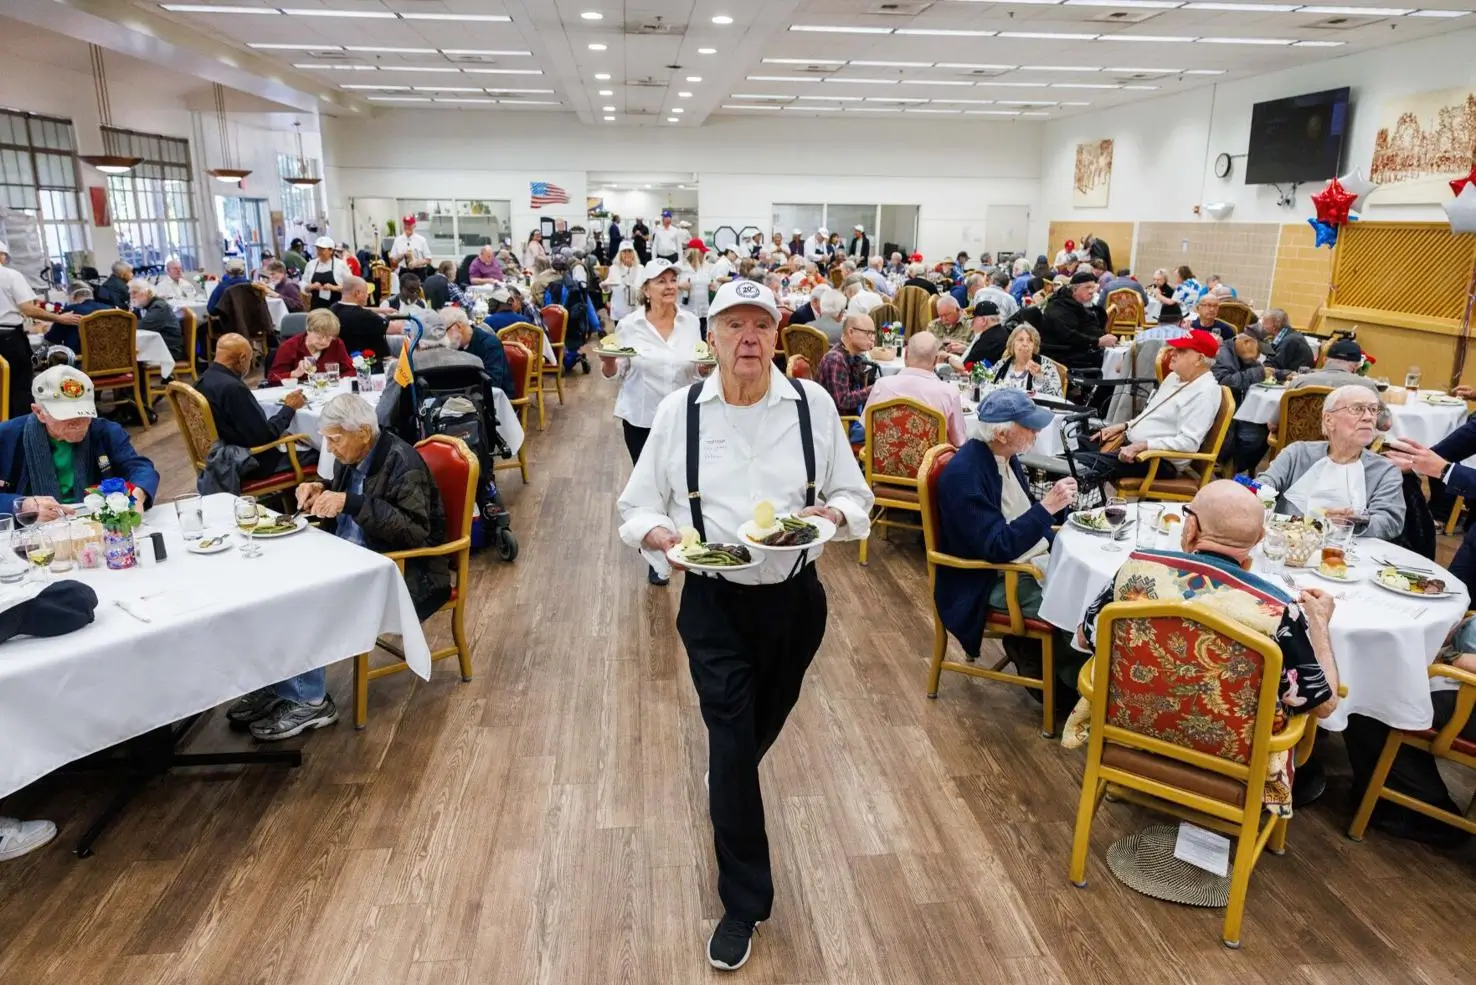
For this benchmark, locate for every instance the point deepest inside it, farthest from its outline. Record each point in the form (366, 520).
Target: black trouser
(748, 647)
(635, 439)
(1249, 446)
(671, 257)
(15, 346)
(1414, 771)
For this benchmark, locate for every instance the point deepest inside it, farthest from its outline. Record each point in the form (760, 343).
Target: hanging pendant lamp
(304, 176)
(112, 160)
(226, 175)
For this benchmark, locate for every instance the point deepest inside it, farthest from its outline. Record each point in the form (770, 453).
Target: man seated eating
(239, 417)
(361, 329)
(987, 515)
(1207, 318)
(382, 497)
(918, 381)
(951, 326)
(313, 351)
(51, 456)
(155, 315)
(842, 371)
(1340, 476)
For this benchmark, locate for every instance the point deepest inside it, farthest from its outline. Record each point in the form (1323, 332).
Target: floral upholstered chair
(1300, 417)
(898, 434)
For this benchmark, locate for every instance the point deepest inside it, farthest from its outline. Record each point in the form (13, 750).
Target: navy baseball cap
(1005, 405)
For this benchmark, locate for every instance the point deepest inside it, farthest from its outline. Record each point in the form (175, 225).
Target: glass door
(244, 227)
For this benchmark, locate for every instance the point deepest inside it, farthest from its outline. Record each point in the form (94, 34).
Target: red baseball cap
(409, 220)
(696, 244)
(1205, 343)
(916, 258)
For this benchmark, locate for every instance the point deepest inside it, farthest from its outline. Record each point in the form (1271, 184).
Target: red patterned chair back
(899, 433)
(931, 470)
(456, 473)
(555, 320)
(520, 366)
(799, 368)
(1129, 309)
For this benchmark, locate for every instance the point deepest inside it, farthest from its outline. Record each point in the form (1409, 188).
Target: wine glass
(12, 550)
(40, 550)
(247, 515)
(1115, 513)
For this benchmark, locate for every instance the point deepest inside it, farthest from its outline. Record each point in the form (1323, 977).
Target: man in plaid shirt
(842, 371)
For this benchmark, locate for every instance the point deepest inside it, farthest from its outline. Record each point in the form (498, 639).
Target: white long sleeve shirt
(666, 240)
(694, 288)
(815, 249)
(748, 454)
(623, 285)
(1178, 415)
(169, 289)
(659, 366)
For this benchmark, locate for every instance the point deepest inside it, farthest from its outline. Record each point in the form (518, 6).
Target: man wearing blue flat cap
(987, 515)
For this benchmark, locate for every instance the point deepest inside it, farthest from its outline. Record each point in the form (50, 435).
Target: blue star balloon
(1327, 234)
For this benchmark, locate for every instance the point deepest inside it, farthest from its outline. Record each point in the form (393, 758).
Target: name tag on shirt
(714, 449)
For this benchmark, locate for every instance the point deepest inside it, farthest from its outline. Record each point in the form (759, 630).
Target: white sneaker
(18, 838)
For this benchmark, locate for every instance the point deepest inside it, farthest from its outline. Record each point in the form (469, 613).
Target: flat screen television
(1297, 139)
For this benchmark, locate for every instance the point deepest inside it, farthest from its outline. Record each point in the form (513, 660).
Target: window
(453, 229)
(806, 218)
(154, 204)
(299, 202)
(889, 226)
(39, 175)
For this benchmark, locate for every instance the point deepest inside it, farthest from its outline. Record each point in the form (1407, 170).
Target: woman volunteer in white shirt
(623, 283)
(693, 282)
(665, 339)
(324, 275)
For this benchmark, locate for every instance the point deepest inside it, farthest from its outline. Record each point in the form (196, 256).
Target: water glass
(1274, 546)
(61, 532)
(191, 512)
(332, 370)
(1340, 534)
(247, 514)
(1412, 379)
(1149, 516)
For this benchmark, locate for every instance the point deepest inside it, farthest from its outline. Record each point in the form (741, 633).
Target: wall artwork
(1424, 141)
(1093, 175)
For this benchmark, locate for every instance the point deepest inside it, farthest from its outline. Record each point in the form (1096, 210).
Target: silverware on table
(1404, 567)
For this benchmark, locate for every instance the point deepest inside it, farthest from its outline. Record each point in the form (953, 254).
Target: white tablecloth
(1115, 363)
(222, 626)
(275, 306)
(153, 352)
(1425, 423)
(1383, 642)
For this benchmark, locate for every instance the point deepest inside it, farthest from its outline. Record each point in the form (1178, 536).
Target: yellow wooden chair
(884, 314)
(109, 354)
(455, 471)
(1443, 743)
(530, 337)
(1126, 312)
(1174, 486)
(1215, 779)
(4, 389)
(809, 343)
(1236, 313)
(522, 368)
(189, 328)
(1011, 622)
(197, 429)
(898, 434)
(1300, 417)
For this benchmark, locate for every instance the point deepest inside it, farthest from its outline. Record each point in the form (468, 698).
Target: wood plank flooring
(546, 823)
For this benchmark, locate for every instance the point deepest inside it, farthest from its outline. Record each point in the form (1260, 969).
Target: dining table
(1383, 641)
(175, 637)
(1425, 416)
(275, 306)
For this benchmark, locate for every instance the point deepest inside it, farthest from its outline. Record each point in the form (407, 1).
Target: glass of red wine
(1115, 513)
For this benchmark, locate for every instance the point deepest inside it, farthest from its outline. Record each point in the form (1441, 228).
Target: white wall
(1165, 148)
(633, 203)
(742, 165)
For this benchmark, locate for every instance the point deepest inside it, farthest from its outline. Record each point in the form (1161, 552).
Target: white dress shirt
(864, 302)
(748, 455)
(880, 282)
(666, 240)
(314, 267)
(14, 292)
(1178, 415)
(696, 289)
(659, 367)
(623, 286)
(815, 249)
(412, 247)
(169, 289)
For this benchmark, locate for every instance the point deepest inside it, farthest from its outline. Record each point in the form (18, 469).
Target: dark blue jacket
(224, 284)
(961, 295)
(499, 320)
(1456, 447)
(68, 335)
(488, 348)
(1019, 286)
(973, 527)
(108, 439)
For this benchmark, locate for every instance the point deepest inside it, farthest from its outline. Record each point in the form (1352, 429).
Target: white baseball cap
(799, 232)
(500, 294)
(823, 231)
(736, 293)
(323, 243)
(64, 393)
(4, 247)
(655, 269)
(859, 228)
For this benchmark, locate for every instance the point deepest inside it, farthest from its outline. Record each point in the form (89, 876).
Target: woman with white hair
(1340, 476)
(832, 311)
(325, 275)
(155, 315)
(381, 497)
(622, 283)
(917, 277)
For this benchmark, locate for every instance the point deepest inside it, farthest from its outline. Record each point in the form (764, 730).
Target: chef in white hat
(717, 449)
(324, 275)
(817, 247)
(860, 248)
(17, 303)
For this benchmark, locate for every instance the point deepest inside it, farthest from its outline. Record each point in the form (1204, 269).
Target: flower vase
(119, 549)
(366, 378)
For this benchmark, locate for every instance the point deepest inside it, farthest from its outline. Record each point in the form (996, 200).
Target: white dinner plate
(1404, 591)
(1075, 519)
(608, 354)
(675, 556)
(1352, 576)
(300, 525)
(826, 528)
(222, 543)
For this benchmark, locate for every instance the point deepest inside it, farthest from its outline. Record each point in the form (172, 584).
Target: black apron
(324, 277)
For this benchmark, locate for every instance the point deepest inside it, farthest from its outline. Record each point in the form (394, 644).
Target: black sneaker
(292, 718)
(656, 578)
(252, 708)
(730, 944)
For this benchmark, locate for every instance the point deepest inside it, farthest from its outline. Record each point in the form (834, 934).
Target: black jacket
(158, 316)
(113, 291)
(1292, 353)
(921, 282)
(240, 420)
(1070, 330)
(400, 509)
(436, 291)
(803, 315)
(361, 330)
(860, 250)
(1230, 371)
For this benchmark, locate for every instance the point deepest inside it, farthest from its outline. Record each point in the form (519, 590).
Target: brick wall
(1302, 275)
(1117, 235)
(1243, 253)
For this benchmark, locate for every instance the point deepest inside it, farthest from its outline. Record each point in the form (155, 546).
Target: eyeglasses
(1361, 410)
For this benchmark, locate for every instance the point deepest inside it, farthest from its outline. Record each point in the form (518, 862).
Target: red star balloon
(1333, 203)
(1456, 184)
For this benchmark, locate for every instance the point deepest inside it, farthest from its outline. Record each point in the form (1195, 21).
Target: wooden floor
(546, 823)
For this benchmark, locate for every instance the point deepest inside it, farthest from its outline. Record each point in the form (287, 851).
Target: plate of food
(610, 347)
(770, 531)
(1271, 385)
(1406, 581)
(1095, 521)
(694, 554)
(1333, 566)
(209, 544)
(702, 354)
(1442, 400)
(269, 525)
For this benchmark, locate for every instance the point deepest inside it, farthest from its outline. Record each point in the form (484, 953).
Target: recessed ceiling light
(399, 99)
(336, 68)
(483, 18)
(780, 78)
(464, 99)
(1047, 36)
(1145, 71)
(1156, 4)
(648, 186)
(392, 51)
(1142, 88)
(889, 99)
(678, 109)
(501, 71)
(804, 61)
(1358, 11)
(1161, 38)
(920, 110)
(485, 51)
(602, 76)
(684, 95)
(1260, 41)
(1265, 8)
(1440, 13)
(608, 109)
(814, 109)
(379, 88)
(499, 90)
(839, 29)
(607, 92)
(969, 66)
(420, 68)
(1059, 68)
(754, 106)
(382, 15)
(723, 20)
(1035, 112)
(970, 102)
(528, 102)
(1076, 104)
(673, 119)
(936, 82)
(759, 95)
(834, 99)
(1084, 85)
(873, 82)
(707, 51)
(609, 119)
(1319, 44)
(694, 78)
(893, 64)
(296, 47)
(1027, 102)
(592, 15)
(991, 112)
(944, 33)
(1013, 85)
(448, 88)
(1204, 71)
(597, 47)
(873, 109)
(208, 8)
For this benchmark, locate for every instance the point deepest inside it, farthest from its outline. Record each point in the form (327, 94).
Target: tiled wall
(1117, 235)
(1303, 273)
(1243, 253)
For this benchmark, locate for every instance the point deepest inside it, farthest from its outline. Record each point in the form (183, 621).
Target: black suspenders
(694, 452)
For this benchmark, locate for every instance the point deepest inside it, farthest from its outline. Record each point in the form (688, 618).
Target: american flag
(546, 194)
